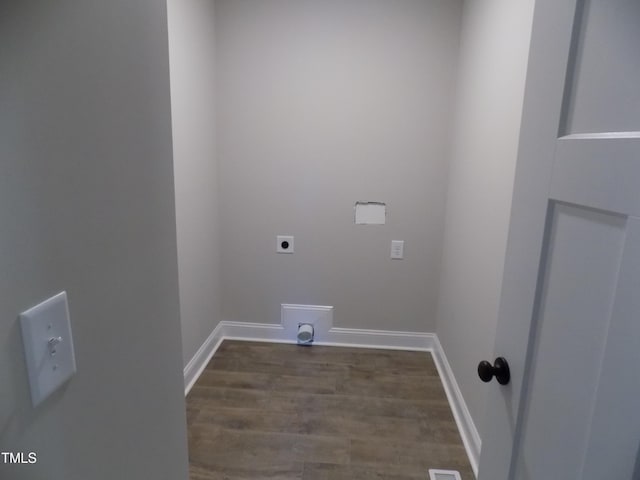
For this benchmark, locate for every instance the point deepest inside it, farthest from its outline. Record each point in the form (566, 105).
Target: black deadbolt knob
(499, 369)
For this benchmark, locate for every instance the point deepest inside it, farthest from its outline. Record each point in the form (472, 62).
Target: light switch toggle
(48, 346)
(53, 343)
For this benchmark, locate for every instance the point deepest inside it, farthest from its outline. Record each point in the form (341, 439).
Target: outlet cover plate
(48, 346)
(284, 244)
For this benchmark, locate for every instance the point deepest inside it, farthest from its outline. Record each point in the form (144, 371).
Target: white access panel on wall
(48, 346)
(370, 213)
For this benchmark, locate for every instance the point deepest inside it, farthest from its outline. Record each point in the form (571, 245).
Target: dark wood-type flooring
(274, 411)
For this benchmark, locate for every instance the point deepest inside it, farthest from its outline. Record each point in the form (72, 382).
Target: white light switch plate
(397, 249)
(48, 346)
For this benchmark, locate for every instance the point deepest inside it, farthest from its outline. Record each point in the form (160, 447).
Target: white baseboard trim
(466, 426)
(384, 339)
(199, 361)
(255, 332)
(349, 337)
(336, 337)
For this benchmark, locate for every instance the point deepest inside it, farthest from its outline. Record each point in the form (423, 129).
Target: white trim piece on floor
(199, 361)
(466, 426)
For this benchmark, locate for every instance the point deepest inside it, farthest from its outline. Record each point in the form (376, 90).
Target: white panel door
(569, 322)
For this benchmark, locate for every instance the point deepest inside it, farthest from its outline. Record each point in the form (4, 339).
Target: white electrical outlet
(48, 346)
(397, 249)
(284, 244)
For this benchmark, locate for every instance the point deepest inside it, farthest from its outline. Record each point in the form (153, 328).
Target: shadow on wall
(20, 414)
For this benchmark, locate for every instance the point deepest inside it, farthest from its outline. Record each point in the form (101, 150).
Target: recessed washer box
(48, 346)
(318, 316)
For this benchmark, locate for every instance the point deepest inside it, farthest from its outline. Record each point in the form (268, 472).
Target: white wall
(321, 104)
(494, 52)
(191, 52)
(86, 205)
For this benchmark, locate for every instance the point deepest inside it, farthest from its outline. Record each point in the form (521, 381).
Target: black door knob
(499, 369)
